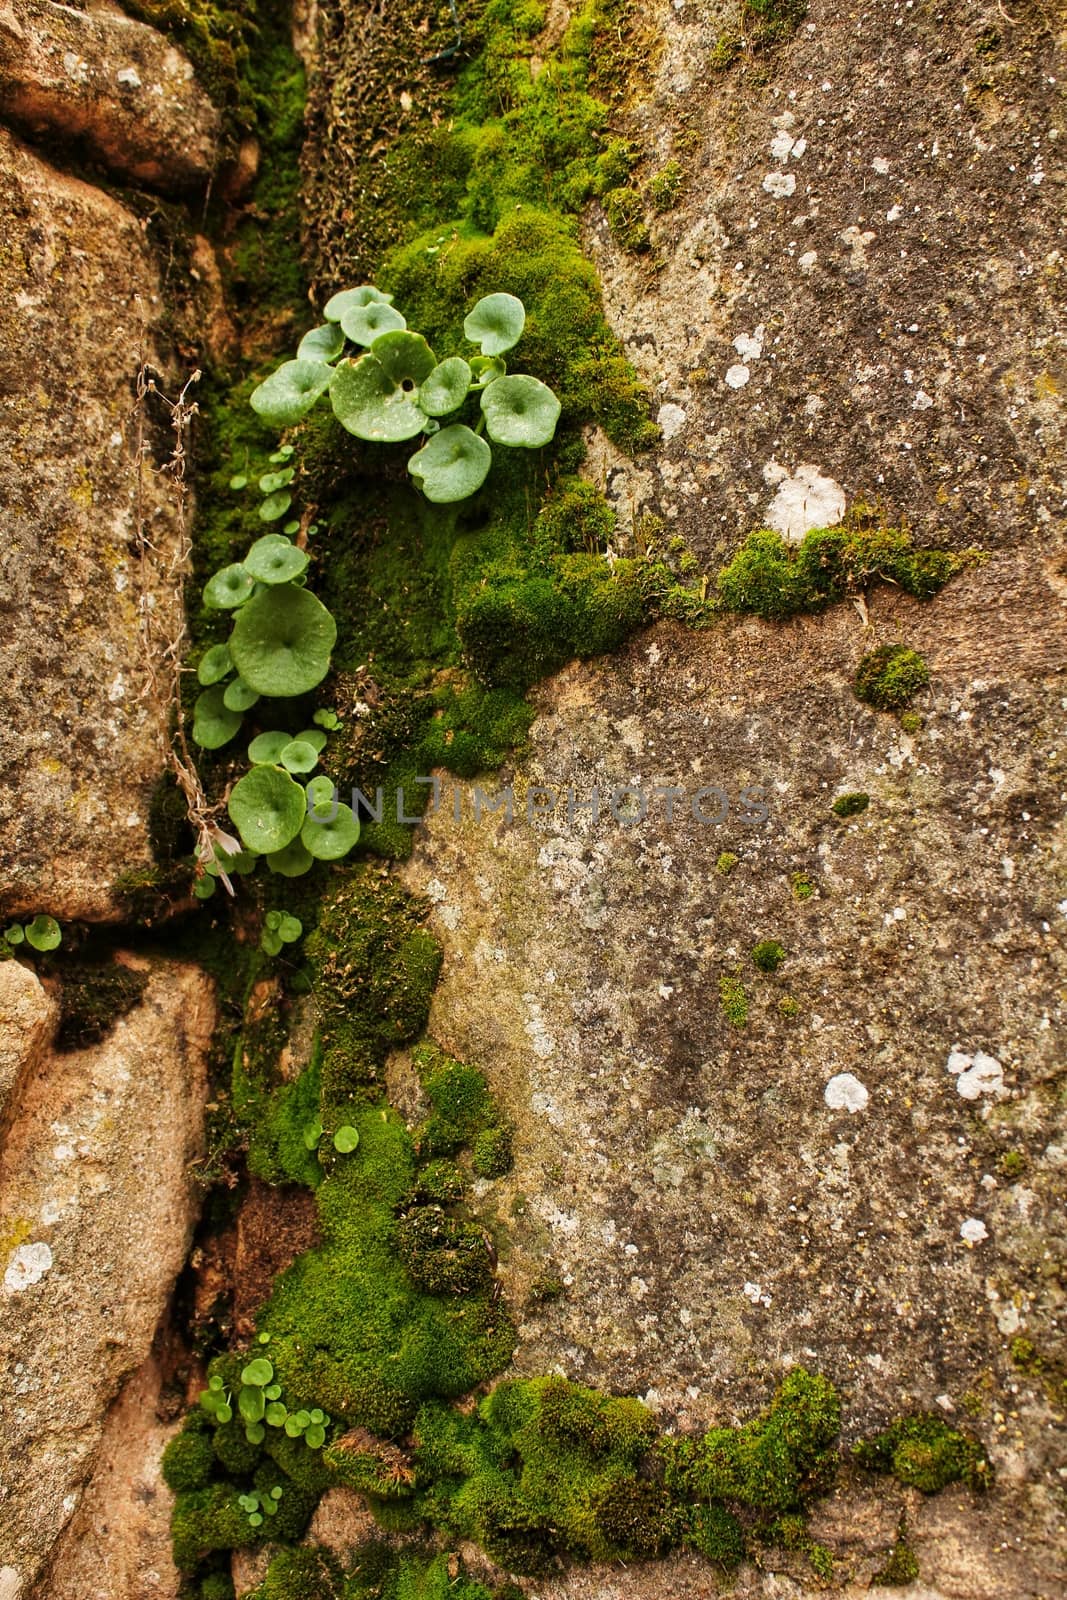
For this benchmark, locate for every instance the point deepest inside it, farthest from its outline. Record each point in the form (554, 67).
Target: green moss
(850, 805)
(278, 1152)
(734, 1000)
(774, 1464)
(770, 579)
(890, 676)
(491, 1154)
(1012, 1165)
(923, 1452)
(625, 212)
(900, 1567)
(189, 1459)
(768, 955)
(665, 187)
(726, 863)
(911, 722)
(802, 885)
(715, 1534)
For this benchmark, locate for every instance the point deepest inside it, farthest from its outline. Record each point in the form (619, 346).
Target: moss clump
(665, 187)
(574, 517)
(911, 722)
(769, 579)
(189, 1460)
(768, 955)
(772, 1465)
(923, 1452)
(375, 967)
(850, 805)
(625, 212)
(802, 885)
(734, 1000)
(887, 678)
(900, 1567)
(726, 863)
(491, 1155)
(93, 996)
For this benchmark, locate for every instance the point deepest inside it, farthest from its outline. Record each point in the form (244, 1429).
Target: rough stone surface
(27, 1019)
(120, 89)
(83, 748)
(711, 1218)
(97, 1210)
(855, 205)
(117, 1543)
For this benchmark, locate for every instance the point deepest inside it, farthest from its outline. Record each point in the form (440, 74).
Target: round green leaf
(329, 840)
(270, 943)
(215, 664)
(289, 394)
(266, 748)
(326, 718)
(204, 888)
(276, 1414)
(271, 482)
(315, 1437)
(292, 1427)
(353, 299)
(520, 411)
(321, 792)
(275, 506)
(345, 1140)
(496, 323)
(275, 559)
(224, 1413)
(446, 387)
(312, 1135)
(276, 1492)
(371, 404)
(451, 465)
(315, 738)
(228, 588)
(239, 481)
(214, 724)
(317, 1415)
(404, 357)
(237, 696)
(43, 933)
(267, 808)
(251, 1405)
(364, 324)
(15, 935)
(282, 639)
(299, 757)
(254, 1517)
(258, 1372)
(321, 344)
(292, 862)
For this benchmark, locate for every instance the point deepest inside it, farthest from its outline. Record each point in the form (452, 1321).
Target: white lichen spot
(845, 1092)
(750, 346)
(671, 419)
(737, 376)
(806, 262)
(894, 214)
(128, 77)
(27, 1266)
(976, 1074)
(10, 1583)
(922, 401)
(973, 1230)
(780, 184)
(755, 1293)
(806, 500)
(880, 165)
(117, 691)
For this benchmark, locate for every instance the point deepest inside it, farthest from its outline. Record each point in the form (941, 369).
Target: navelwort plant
(395, 389)
(279, 648)
(42, 934)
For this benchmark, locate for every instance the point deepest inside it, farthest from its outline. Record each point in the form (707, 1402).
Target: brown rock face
(725, 1170)
(27, 1021)
(116, 86)
(97, 1210)
(82, 747)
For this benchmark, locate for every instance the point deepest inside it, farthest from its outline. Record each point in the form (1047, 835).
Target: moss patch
(923, 1452)
(887, 678)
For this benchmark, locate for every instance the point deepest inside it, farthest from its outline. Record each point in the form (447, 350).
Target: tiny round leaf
(321, 344)
(214, 724)
(292, 862)
(364, 324)
(451, 465)
(282, 639)
(446, 387)
(267, 808)
(237, 696)
(495, 323)
(275, 559)
(43, 933)
(345, 1140)
(520, 411)
(299, 757)
(352, 300)
(290, 392)
(328, 839)
(215, 664)
(228, 588)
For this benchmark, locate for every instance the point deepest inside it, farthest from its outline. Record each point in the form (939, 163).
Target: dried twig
(164, 645)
